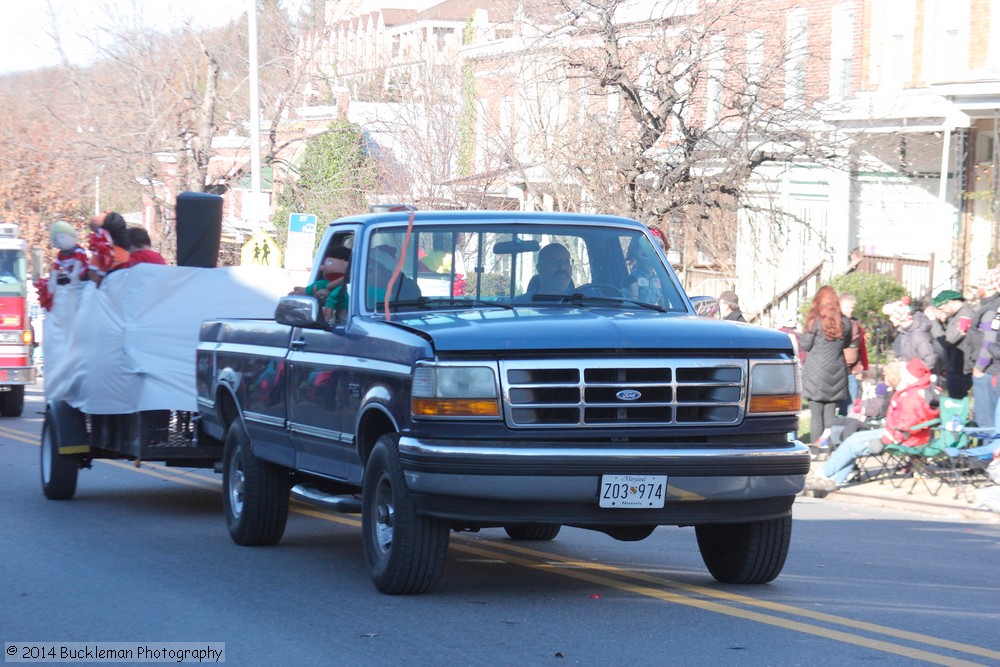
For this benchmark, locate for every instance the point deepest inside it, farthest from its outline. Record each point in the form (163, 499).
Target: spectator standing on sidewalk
(729, 307)
(982, 334)
(824, 373)
(913, 334)
(956, 317)
(855, 354)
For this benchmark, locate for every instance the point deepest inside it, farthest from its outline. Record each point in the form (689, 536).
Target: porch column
(945, 154)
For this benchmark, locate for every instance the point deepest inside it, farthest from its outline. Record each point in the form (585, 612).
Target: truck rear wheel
(405, 551)
(59, 471)
(538, 532)
(745, 553)
(255, 493)
(12, 402)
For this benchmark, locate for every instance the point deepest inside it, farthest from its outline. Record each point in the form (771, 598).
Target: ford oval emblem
(628, 395)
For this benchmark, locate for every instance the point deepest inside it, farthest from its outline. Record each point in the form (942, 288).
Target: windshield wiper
(582, 299)
(429, 303)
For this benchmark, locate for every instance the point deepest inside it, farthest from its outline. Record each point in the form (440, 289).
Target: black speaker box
(199, 229)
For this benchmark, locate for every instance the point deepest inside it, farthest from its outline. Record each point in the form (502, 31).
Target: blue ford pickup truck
(505, 369)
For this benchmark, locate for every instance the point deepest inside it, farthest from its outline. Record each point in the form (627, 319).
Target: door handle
(298, 344)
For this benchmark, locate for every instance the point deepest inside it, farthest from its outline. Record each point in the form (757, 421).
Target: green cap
(944, 296)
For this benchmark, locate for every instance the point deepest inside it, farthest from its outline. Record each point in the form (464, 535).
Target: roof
(486, 216)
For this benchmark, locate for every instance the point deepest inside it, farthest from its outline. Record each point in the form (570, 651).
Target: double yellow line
(775, 614)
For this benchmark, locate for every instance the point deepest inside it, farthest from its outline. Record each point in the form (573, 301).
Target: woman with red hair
(824, 373)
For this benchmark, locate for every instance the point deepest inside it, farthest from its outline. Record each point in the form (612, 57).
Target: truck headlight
(775, 388)
(454, 391)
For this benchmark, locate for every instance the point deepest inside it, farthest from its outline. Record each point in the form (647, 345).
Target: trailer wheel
(59, 471)
(405, 551)
(255, 493)
(745, 553)
(12, 402)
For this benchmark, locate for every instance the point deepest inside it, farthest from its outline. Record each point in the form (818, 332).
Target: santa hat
(918, 369)
(898, 312)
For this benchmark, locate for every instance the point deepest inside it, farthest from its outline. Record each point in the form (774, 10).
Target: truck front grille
(627, 392)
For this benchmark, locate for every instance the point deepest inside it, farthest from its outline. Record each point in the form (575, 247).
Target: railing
(789, 298)
(917, 275)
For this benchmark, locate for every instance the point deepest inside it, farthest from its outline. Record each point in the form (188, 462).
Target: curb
(922, 503)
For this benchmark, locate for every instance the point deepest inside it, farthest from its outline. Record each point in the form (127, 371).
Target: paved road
(143, 555)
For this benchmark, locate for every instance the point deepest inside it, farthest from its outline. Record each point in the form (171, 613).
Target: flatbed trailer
(120, 368)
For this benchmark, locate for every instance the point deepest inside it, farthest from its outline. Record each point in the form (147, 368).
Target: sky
(25, 32)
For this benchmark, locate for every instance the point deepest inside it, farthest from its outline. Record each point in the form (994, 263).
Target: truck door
(318, 392)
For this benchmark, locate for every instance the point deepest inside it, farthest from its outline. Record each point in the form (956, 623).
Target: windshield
(509, 265)
(13, 273)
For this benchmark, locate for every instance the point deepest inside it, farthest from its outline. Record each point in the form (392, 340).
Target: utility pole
(256, 208)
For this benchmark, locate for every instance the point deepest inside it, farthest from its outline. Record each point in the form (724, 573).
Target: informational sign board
(301, 240)
(260, 250)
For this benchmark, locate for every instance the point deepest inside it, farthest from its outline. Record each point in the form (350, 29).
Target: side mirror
(299, 311)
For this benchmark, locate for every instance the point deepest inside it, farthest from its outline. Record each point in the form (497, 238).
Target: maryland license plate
(633, 491)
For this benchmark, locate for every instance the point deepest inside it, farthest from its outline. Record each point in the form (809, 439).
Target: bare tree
(669, 112)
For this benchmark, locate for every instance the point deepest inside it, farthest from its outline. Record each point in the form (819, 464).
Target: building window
(842, 51)
(713, 89)
(796, 43)
(755, 64)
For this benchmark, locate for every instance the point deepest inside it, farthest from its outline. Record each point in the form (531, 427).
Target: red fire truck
(16, 366)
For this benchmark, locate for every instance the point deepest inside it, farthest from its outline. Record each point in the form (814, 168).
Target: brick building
(898, 99)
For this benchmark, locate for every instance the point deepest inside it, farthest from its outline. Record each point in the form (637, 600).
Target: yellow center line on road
(719, 608)
(618, 578)
(168, 474)
(20, 436)
(754, 602)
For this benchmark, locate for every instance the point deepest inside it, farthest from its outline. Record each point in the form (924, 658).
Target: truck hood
(574, 328)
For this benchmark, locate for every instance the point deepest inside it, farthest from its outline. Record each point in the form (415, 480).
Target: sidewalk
(944, 504)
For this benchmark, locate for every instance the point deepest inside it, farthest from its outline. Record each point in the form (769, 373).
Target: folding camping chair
(921, 464)
(967, 467)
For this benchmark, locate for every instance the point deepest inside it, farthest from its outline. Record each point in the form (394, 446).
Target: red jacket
(908, 408)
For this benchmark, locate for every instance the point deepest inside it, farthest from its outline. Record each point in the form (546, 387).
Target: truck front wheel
(405, 551)
(59, 471)
(12, 402)
(255, 493)
(745, 553)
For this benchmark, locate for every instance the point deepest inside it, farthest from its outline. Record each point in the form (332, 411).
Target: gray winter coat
(917, 342)
(824, 373)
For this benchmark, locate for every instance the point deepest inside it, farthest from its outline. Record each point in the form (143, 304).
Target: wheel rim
(383, 515)
(237, 482)
(46, 456)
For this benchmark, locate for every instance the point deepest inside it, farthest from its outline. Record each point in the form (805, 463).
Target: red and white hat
(898, 312)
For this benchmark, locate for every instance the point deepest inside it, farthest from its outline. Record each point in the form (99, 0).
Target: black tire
(745, 553)
(536, 532)
(59, 471)
(12, 402)
(254, 493)
(405, 551)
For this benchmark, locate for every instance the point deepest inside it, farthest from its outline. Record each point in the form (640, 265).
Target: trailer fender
(70, 427)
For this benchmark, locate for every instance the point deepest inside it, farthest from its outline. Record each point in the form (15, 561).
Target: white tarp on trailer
(130, 345)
